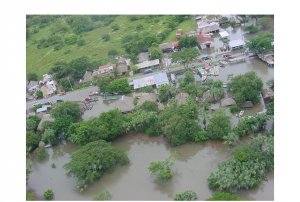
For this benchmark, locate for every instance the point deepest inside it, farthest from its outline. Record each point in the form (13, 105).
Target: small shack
(144, 56)
(215, 106)
(122, 65)
(181, 97)
(268, 95)
(236, 44)
(206, 97)
(125, 104)
(46, 117)
(210, 29)
(224, 35)
(87, 77)
(147, 96)
(247, 104)
(227, 101)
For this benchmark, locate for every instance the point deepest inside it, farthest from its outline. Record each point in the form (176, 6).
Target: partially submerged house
(87, 77)
(181, 97)
(236, 44)
(125, 104)
(211, 28)
(215, 106)
(227, 101)
(160, 79)
(247, 104)
(205, 41)
(46, 117)
(147, 96)
(153, 64)
(224, 35)
(268, 95)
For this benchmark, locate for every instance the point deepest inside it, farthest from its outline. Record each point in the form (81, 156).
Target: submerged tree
(163, 167)
(188, 195)
(103, 196)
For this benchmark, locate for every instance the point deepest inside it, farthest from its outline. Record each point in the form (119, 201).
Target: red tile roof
(175, 43)
(179, 32)
(106, 66)
(204, 38)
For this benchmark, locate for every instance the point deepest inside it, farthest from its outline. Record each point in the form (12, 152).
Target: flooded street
(132, 182)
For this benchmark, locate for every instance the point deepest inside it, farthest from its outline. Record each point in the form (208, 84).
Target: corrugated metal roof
(179, 32)
(224, 34)
(238, 42)
(41, 109)
(160, 78)
(33, 87)
(146, 81)
(149, 63)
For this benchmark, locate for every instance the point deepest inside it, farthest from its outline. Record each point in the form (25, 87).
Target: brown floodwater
(132, 182)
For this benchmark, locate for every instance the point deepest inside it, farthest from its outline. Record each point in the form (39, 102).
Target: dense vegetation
(188, 195)
(222, 196)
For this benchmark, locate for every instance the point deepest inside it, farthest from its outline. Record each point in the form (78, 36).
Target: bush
(222, 196)
(201, 136)
(135, 101)
(57, 47)
(68, 89)
(85, 85)
(88, 28)
(46, 45)
(55, 91)
(81, 42)
(53, 165)
(139, 27)
(115, 27)
(39, 94)
(31, 77)
(152, 131)
(98, 26)
(234, 108)
(40, 153)
(48, 194)
(32, 139)
(77, 87)
(188, 195)
(71, 39)
(105, 37)
(67, 51)
(36, 107)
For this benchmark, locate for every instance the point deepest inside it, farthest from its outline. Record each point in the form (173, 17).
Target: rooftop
(143, 57)
(125, 104)
(106, 66)
(46, 117)
(202, 38)
(238, 42)
(148, 63)
(147, 96)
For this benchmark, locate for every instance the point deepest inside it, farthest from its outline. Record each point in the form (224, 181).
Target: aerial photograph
(149, 107)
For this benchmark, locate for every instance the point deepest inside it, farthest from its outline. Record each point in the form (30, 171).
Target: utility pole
(70, 83)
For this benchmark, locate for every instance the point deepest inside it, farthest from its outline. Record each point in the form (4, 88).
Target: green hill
(40, 60)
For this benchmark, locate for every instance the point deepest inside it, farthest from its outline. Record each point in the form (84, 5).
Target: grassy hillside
(40, 61)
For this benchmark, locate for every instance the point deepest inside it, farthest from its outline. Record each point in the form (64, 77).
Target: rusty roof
(202, 38)
(175, 43)
(106, 66)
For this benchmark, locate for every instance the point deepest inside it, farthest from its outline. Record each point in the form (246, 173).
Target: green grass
(41, 60)
(186, 26)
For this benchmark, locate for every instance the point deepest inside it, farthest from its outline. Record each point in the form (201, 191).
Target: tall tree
(261, 43)
(185, 56)
(166, 91)
(90, 161)
(188, 42)
(66, 108)
(251, 29)
(102, 83)
(79, 66)
(156, 53)
(219, 125)
(119, 85)
(246, 87)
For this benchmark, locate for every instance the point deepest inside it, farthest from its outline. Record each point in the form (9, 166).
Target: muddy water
(132, 182)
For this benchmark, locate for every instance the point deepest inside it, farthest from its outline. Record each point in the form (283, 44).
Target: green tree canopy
(90, 161)
(219, 125)
(64, 82)
(185, 56)
(251, 29)
(263, 22)
(102, 83)
(261, 43)
(232, 23)
(79, 66)
(156, 53)
(60, 69)
(39, 94)
(134, 68)
(246, 87)
(223, 196)
(32, 122)
(119, 85)
(32, 139)
(31, 77)
(66, 108)
(71, 39)
(148, 106)
(188, 195)
(163, 167)
(112, 53)
(188, 41)
(62, 123)
(103, 196)
(166, 91)
(105, 37)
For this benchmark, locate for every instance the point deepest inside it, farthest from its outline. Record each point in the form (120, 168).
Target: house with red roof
(205, 41)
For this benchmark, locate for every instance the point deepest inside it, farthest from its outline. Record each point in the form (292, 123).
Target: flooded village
(223, 55)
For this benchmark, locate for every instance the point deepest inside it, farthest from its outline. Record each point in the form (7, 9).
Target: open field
(41, 60)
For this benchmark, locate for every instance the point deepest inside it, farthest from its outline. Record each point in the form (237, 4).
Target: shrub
(222, 196)
(57, 47)
(68, 89)
(139, 27)
(39, 94)
(31, 77)
(53, 165)
(40, 153)
(81, 42)
(234, 108)
(152, 131)
(103, 196)
(135, 101)
(188, 195)
(105, 37)
(46, 45)
(55, 91)
(115, 27)
(201, 136)
(67, 51)
(88, 28)
(48, 194)
(98, 26)
(36, 107)
(71, 39)
(77, 87)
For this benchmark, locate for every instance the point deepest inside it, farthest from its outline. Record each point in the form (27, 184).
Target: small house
(143, 57)
(165, 47)
(215, 106)
(179, 32)
(236, 44)
(46, 117)
(160, 79)
(181, 97)
(207, 97)
(224, 35)
(227, 101)
(106, 68)
(147, 96)
(125, 104)
(32, 85)
(205, 41)
(212, 28)
(122, 65)
(141, 82)
(268, 95)
(247, 104)
(153, 64)
(87, 77)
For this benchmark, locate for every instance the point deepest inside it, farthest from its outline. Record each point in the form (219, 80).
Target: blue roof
(33, 87)
(204, 56)
(160, 78)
